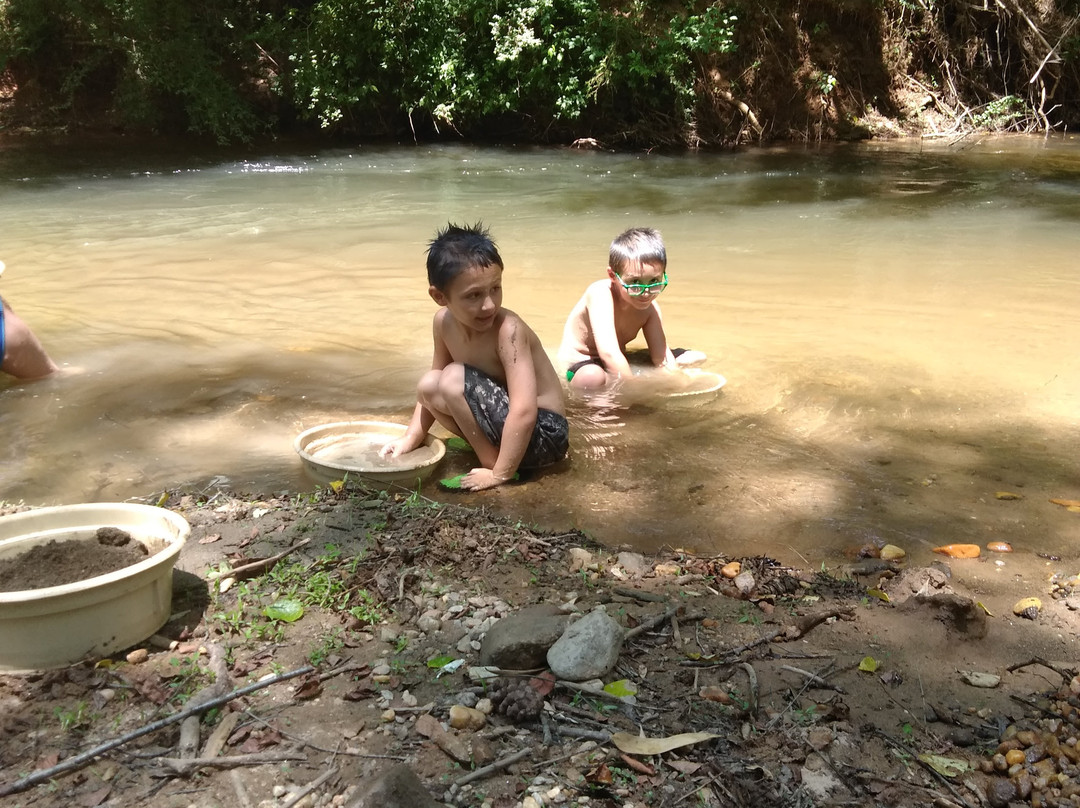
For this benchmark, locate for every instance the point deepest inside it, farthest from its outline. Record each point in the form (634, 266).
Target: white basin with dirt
(60, 625)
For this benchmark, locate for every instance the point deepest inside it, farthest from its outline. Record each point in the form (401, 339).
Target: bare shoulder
(512, 327)
(598, 291)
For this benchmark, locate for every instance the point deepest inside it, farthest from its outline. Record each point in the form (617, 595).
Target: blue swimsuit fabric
(489, 403)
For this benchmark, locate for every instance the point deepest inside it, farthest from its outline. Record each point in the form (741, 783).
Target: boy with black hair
(491, 382)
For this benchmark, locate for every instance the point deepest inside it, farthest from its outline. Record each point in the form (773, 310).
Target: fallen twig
(660, 619)
(318, 782)
(238, 786)
(190, 729)
(587, 734)
(751, 674)
(347, 667)
(934, 772)
(262, 566)
(1065, 673)
(82, 759)
(785, 634)
(637, 594)
(491, 768)
(812, 678)
(185, 766)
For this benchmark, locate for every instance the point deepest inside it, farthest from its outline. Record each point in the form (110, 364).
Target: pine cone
(515, 699)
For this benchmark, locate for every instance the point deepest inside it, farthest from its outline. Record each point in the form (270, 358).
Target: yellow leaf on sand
(636, 745)
(337, 485)
(868, 664)
(946, 767)
(1007, 495)
(1067, 503)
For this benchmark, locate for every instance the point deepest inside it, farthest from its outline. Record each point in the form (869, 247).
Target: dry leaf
(683, 766)
(715, 693)
(638, 766)
(93, 798)
(544, 683)
(309, 688)
(635, 745)
(210, 538)
(601, 774)
(1067, 503)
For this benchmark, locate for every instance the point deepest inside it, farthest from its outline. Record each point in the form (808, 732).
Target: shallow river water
(896, 322)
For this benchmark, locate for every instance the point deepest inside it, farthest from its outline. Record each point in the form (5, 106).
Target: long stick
(498, 765)
(80, 760)
(185, 766)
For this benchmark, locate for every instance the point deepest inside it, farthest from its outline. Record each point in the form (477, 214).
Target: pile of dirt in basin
(64, 562)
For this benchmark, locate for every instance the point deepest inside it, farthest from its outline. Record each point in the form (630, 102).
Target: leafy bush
(153, 63)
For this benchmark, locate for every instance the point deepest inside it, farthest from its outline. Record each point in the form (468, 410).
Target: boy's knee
(452, 380)
(437, 386)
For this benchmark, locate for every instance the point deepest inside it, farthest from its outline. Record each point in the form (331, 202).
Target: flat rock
(520, 641)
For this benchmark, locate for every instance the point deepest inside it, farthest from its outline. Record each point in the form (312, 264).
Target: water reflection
(895, 326)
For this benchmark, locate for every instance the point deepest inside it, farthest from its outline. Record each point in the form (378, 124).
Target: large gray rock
(397, 787)
(588, 649)
(520, 641)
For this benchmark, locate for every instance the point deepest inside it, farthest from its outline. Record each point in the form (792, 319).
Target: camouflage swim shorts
(489, 402)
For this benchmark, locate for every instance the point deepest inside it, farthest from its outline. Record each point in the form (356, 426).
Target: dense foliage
(684, 72)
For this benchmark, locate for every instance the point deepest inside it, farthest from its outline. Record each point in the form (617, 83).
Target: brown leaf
(637, 765)
(210, 538)
(94, 798)
(260, 741)
(601, 774)
(683, 766)
(309, 688)
(364, 689)
(149, 684)
(49, 760)
(544, 683)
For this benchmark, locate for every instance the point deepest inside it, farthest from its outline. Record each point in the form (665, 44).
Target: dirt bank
(859, 685)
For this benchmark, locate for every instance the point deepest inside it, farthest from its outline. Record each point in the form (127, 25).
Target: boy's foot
(688, 358)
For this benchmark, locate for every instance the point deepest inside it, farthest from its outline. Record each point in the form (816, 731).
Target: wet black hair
(455, 249)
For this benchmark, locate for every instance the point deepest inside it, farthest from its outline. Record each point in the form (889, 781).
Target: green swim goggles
(639, 289)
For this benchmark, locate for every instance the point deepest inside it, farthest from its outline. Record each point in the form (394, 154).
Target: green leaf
(288, 611)
(621, 688)
(440, 661)
(868, 664)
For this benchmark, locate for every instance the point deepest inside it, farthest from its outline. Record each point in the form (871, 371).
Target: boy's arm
(600, 309)
(515, 352)
(422, 420)
(656, 339)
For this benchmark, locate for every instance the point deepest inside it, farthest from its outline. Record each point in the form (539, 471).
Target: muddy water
(897, 325)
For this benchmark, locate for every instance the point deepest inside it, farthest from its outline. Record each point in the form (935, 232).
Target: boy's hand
(479, 479)
(398, 447)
